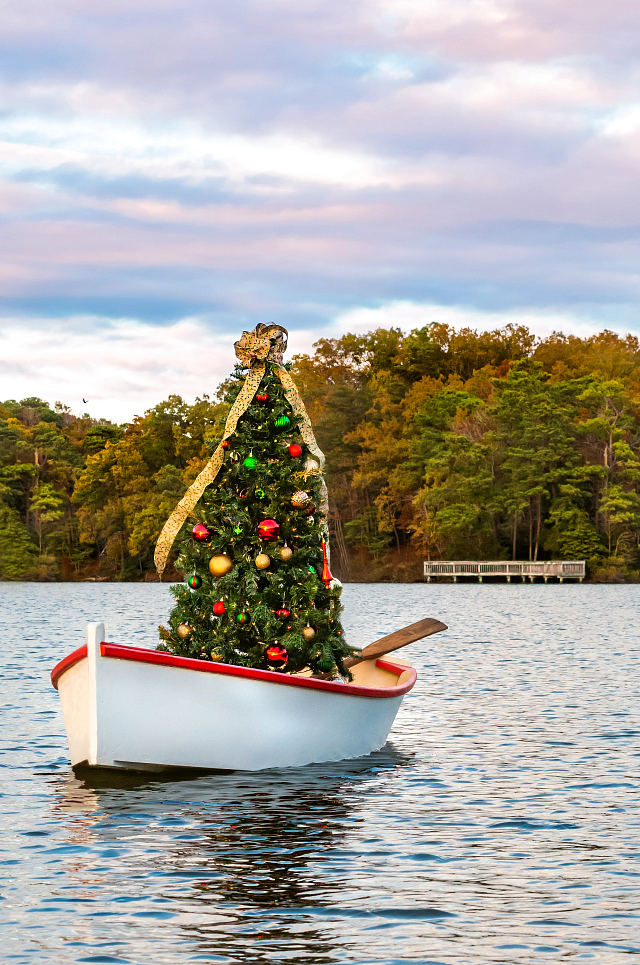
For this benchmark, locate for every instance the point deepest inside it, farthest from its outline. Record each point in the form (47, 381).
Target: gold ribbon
(267, 343)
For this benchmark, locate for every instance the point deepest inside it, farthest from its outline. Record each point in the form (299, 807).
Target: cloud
(216, 165)
(124, 367)
(121, 147)
(410, 315)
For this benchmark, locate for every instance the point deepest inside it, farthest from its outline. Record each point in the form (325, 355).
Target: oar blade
(393, 641)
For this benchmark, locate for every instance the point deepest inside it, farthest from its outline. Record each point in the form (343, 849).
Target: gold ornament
(219, 565)
(262, 561)
(308, 633)
(286, 553)
(183, 631)
(300, 499)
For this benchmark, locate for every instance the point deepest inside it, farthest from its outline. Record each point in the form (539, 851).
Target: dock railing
(549, 569)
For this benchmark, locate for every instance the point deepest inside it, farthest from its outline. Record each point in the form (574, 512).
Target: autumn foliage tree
(439, 444)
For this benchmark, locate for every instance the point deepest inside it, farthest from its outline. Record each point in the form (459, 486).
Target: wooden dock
(560, 570)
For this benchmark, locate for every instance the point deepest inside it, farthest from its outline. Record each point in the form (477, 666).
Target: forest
(440, 444)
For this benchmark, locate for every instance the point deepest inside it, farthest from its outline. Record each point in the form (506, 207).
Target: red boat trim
(67, 662)
(143, 655)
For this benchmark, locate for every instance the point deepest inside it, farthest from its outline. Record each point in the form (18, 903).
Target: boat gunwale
(144, 655)
(67, 662)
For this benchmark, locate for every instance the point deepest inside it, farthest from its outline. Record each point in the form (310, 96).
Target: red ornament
(243, 617)
(268, 529)
(295, 450)
(277, 656)
(310, 509)
(262, 396)
(326, 572)
(200, 533)
(219, 608)
(225, 444)
(283, 613)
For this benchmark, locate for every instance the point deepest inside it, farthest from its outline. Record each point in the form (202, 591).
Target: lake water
(500, 824)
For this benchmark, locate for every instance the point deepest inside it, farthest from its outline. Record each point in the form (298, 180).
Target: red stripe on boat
(67, 662)
(143, 655)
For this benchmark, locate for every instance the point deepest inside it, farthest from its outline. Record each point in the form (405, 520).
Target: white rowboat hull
(136, 709)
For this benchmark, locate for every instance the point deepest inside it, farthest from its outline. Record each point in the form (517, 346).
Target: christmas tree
(258, 590)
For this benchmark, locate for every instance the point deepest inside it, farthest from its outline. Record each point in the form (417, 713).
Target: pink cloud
(179, 158)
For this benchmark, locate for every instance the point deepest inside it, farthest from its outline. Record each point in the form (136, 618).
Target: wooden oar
(393, 641)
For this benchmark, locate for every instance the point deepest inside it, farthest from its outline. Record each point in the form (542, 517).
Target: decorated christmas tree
(258, 591)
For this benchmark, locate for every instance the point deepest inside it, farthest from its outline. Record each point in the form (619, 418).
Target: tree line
(440, 444)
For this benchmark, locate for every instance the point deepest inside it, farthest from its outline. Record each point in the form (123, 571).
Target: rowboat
(145, 710)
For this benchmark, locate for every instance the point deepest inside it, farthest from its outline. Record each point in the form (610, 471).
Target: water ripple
(500, 824)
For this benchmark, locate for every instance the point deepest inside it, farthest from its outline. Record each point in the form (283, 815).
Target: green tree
(570, 534)
(45, 505)
(620, 510)
(454, 506)
(17, 551)
(537, 439)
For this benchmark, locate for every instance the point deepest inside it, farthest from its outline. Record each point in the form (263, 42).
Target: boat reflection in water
(243, 866)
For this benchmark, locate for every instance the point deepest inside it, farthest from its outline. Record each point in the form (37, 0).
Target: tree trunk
(494, 525)
(621, 536)
(515, 531)
(535, 555)
(530, 528)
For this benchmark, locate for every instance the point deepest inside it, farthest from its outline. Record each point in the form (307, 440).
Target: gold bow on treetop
(267, 343)
(264, 343)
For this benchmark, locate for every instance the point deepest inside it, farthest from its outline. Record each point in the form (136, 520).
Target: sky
(172, 173)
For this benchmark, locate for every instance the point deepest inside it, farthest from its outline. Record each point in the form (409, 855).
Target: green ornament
(243, 617)
(313, 570)
(282, 422)
(325, 664)
(260, 494)
(251, 462)
(237, 529)
(195, 581)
